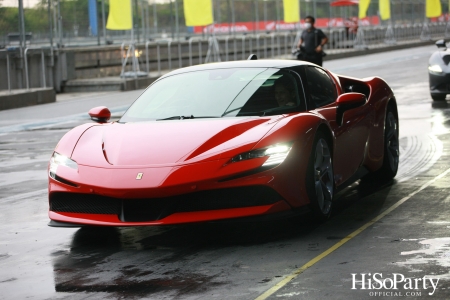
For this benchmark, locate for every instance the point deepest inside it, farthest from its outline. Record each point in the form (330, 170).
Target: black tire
(438, 97)
(391, 149)
(320, 177)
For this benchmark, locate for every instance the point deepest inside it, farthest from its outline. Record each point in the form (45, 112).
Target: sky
(26, 3)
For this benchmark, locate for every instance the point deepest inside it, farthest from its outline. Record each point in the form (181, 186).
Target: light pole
(177, 27)
(50, 22)
(144, 30)
(155, 18)
(103, 20)
(232, 19)
(60, 33)
(278, 14)
(314, 9)
(21, 26)
(265, 14)
(218, 12)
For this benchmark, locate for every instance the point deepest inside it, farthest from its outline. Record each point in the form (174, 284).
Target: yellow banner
(119, 17)
(385, 9)
(291, 11)
(198, 12)
(433, 8)
(363, 7)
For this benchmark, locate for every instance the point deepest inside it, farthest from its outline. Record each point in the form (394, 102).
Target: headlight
(435, 69)
(60, 160)
(277, 154)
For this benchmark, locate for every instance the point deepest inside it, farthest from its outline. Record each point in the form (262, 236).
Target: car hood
(162, 143)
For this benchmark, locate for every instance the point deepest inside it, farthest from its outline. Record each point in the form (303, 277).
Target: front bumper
(193, 207)
(439, 84)
(194, 193)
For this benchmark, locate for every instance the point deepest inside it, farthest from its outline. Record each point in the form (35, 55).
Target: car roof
(273, 63)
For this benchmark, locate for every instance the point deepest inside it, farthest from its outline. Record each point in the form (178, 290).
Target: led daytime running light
(60, 160)
(435, 69)
(277, 154)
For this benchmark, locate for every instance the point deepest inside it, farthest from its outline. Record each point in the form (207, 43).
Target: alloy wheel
(392, 144)
(323, 176)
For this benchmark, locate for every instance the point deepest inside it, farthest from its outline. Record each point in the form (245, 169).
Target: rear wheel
(319, 179)
(391, 149)
(438, 97)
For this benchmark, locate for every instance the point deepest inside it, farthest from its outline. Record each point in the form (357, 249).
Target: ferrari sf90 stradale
(224, 141)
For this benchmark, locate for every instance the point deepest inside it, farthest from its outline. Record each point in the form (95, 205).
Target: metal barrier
(340, 39)
(199, 49)
(27, 75)
(281, 43)
(8, 75)
(286, 43)
(122, 53)
(158, 57)
(180, 57)
(226, 48)
(243, 47)
(169, 54)
(146, 57)
(257, 45)
(272, 39)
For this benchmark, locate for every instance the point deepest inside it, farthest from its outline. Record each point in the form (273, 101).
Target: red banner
(272, 25)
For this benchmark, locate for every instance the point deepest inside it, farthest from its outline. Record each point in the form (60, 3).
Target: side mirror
(100, 114)
(441, 44)
(348, 101)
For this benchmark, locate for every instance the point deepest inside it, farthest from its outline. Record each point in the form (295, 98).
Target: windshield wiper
(176, 118)
(186, 117)
(230, 111)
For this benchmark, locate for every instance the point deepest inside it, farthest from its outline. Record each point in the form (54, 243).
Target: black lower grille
(84, 203)
(150, 209)
(227, 198)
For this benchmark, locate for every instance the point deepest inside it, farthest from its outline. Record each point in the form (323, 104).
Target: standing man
(311, 43)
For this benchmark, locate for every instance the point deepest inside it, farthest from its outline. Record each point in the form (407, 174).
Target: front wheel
(320, 177)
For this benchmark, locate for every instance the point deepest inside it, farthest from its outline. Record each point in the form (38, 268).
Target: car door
(351, 137)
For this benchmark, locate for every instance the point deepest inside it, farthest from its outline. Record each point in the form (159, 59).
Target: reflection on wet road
(237, 260)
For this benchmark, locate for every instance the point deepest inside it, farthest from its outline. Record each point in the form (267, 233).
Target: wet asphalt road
(238, 260)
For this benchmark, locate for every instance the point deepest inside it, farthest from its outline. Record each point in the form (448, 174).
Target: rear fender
(381, 96)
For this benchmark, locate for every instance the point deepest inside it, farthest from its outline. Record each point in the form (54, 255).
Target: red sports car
(226, 140)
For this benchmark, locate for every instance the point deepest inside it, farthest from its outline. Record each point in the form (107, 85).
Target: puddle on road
(107, 260)
(432, 252)
(136, 286)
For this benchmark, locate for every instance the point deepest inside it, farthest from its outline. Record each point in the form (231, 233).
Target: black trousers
(315, 59)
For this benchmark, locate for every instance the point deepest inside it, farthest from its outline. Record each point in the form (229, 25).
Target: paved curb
(24, 98)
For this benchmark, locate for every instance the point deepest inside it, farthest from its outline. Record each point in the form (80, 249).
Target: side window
(274, 94)
(321, 87)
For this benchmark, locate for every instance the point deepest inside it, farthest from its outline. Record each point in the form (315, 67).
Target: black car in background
(439, 72)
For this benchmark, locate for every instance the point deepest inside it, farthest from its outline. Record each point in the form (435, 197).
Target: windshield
(217, 93)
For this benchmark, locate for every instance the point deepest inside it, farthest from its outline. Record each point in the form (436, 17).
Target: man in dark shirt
(311, 42)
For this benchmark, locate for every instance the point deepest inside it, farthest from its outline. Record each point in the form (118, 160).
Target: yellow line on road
(324, 254)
